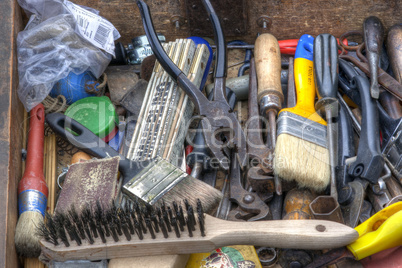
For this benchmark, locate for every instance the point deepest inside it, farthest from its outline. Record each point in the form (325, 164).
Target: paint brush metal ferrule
(154, 181)
(303, 128)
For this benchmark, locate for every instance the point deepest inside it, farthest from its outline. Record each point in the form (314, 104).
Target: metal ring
(347, 34)
(267, 256)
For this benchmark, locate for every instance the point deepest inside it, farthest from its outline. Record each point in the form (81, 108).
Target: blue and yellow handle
(304, 79)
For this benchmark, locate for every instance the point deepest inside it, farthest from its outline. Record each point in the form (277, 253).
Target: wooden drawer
(290, 19)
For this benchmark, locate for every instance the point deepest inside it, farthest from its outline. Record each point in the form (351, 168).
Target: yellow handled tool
(301, 140)
(380, 232)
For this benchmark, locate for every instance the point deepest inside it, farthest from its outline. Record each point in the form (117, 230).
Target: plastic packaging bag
(52, 45)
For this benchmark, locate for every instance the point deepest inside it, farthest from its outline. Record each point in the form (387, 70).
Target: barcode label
(98, 31)
(102, 34)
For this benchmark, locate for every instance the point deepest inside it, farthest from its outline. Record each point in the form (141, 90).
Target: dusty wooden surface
(290, 19)
(11, 125)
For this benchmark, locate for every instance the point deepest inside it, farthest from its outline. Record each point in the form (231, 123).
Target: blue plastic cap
(305, 47)
(73, 86)
(199, 40)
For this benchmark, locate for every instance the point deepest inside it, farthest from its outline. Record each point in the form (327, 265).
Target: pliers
(217, 117)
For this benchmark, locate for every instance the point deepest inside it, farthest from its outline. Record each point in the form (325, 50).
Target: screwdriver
(270, 97)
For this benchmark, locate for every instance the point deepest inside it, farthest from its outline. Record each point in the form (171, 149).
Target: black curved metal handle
(326, 65)
(220, 60)
(369, 162)
(154, 42)
(191, 90)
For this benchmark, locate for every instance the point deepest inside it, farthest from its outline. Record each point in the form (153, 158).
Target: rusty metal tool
(249, 202)
(296, 207)
(391, 104)
(200, 159)
(270, 96)
(268, 67)
(386, 80)
(260, 173)
(326, 75)
(373, 39)
(216, 116)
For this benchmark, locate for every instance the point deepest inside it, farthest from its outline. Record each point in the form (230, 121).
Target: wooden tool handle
(296, 204)
(394, 50)
(301, 234)
(268, 65)
(33, 178)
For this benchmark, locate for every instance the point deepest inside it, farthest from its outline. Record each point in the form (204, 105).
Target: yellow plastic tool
(380, 232)
(305, 90)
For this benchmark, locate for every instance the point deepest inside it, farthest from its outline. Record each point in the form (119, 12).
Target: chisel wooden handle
(268, 65)
(394, 50)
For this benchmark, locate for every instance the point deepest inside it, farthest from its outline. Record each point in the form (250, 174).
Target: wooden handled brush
(32, 188)
(301, 152)
(134, 231)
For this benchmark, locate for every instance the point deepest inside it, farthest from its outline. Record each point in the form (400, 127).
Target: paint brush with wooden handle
(32, 188)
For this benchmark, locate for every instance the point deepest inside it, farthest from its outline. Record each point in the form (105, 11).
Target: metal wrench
(217, 116)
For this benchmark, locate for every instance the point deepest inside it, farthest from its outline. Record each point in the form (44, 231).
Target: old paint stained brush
(182, 228)
(152, 181)
(32, 189)
(301, 152)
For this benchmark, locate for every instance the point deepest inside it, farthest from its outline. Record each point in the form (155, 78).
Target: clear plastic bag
(50, 47)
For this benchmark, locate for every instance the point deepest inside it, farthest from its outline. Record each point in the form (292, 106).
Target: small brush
(32, 189)
(301, 152)
(198, 233)
(152, 181)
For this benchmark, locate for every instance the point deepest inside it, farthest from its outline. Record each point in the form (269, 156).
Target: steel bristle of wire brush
(166, 220)
(116, 220)
(61, 232)
(189, 228)
(98, 214)
(202, 224)
(141, 220)
(138, 230)
(78, 221)
(190, 214)
(154, 220)
(127, 215)
(173, 222)
(72, 232)
(200, 210)
(149, 226)
(95, 219)
(88, 217)
(163, 229)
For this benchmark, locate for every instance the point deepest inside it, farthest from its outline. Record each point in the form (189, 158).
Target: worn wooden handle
(301, 234)
(394, 50)
(268, 65)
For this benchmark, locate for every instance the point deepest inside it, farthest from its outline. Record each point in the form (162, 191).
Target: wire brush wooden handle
(300, 234)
